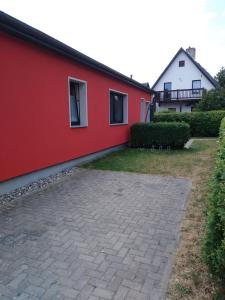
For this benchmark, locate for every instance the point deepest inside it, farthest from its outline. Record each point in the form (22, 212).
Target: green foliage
(212, 100)
(203, 124)
(219, 294)
(220, 77)
(173, 134)
(182, 290)
(214, 239)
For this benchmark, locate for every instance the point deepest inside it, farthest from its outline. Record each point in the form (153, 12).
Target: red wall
(34, 113)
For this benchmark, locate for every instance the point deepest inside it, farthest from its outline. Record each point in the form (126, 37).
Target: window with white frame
(196, 87)
(143, 110)
(78, 102)
(118, 108)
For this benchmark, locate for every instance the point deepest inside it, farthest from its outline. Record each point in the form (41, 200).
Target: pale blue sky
(136, 37)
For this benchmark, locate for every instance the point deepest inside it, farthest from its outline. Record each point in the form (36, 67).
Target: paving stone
(93, 298)
(16, 281)
(93, 235)
(69, 292)
(107, 294)
(22, 296)
(132, 284)
(35, 291)
(135, 295)
(121, 293)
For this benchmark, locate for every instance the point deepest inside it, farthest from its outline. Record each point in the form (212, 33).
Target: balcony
(186, 95)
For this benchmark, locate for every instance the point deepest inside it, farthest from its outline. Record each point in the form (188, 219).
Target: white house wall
(166, 106)
(181, 77)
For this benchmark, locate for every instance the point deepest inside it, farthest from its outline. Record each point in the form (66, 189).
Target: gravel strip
(7, 200)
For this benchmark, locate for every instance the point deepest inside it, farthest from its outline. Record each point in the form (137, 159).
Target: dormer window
(181, 63)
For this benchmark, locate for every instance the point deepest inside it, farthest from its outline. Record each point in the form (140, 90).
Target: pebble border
(42, 183)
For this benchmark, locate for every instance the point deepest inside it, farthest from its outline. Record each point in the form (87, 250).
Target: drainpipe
(151, 107)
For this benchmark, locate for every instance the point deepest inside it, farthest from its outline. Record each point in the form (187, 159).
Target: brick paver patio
(95, 235)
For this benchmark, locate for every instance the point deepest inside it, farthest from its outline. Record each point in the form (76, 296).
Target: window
(147, 111)
(196, 86)
(181, 63)
(74, 103)
(167, 89)
(78, 103)
(167, 86)
(142, 110)
(118, 108)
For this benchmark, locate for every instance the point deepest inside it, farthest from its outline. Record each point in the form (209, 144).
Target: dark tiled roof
(201, 69)
(146, 84)
(28, 33)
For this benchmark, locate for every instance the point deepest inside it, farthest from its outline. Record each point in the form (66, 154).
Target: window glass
(116, 108)
(168, 86)
(74, 103)
(181, 63)
(196, 84)
(78, 103)
(143, 110)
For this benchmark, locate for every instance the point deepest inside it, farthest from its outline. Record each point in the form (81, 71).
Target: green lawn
(165, 162)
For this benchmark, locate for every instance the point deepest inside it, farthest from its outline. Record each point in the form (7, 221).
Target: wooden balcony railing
(180, 95)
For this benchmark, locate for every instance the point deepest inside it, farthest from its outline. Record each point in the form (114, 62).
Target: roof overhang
(23, 31)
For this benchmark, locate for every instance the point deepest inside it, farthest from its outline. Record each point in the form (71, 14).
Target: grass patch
(182, 290)
(189, 278)
(163, 162)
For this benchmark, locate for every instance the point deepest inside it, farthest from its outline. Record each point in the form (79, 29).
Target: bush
(214, 239)
(204, 124)
(213, 100)
(165, 134)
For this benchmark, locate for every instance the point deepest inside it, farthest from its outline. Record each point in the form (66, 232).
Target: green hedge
(165, 134)
(204, 124)
(214, 239)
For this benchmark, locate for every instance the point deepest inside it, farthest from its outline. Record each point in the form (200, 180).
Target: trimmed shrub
(214, 239)
(165, 134)
(203, 124)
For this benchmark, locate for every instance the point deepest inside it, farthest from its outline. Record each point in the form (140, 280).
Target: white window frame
(125, 108)
(83, 103)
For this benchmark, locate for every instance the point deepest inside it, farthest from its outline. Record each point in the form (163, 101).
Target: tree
(220, 77)
(212, 100)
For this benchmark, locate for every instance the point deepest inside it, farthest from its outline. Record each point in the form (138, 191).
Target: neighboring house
(182, 83)
(57, 104)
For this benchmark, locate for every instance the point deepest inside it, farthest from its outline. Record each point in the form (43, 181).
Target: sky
(137, 37)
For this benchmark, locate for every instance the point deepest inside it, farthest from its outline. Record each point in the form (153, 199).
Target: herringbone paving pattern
(95, 235)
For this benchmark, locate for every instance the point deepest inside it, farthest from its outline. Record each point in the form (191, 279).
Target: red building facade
(56, 103)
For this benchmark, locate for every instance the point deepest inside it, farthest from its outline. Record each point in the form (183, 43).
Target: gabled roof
(28, 33)
(201, 69)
